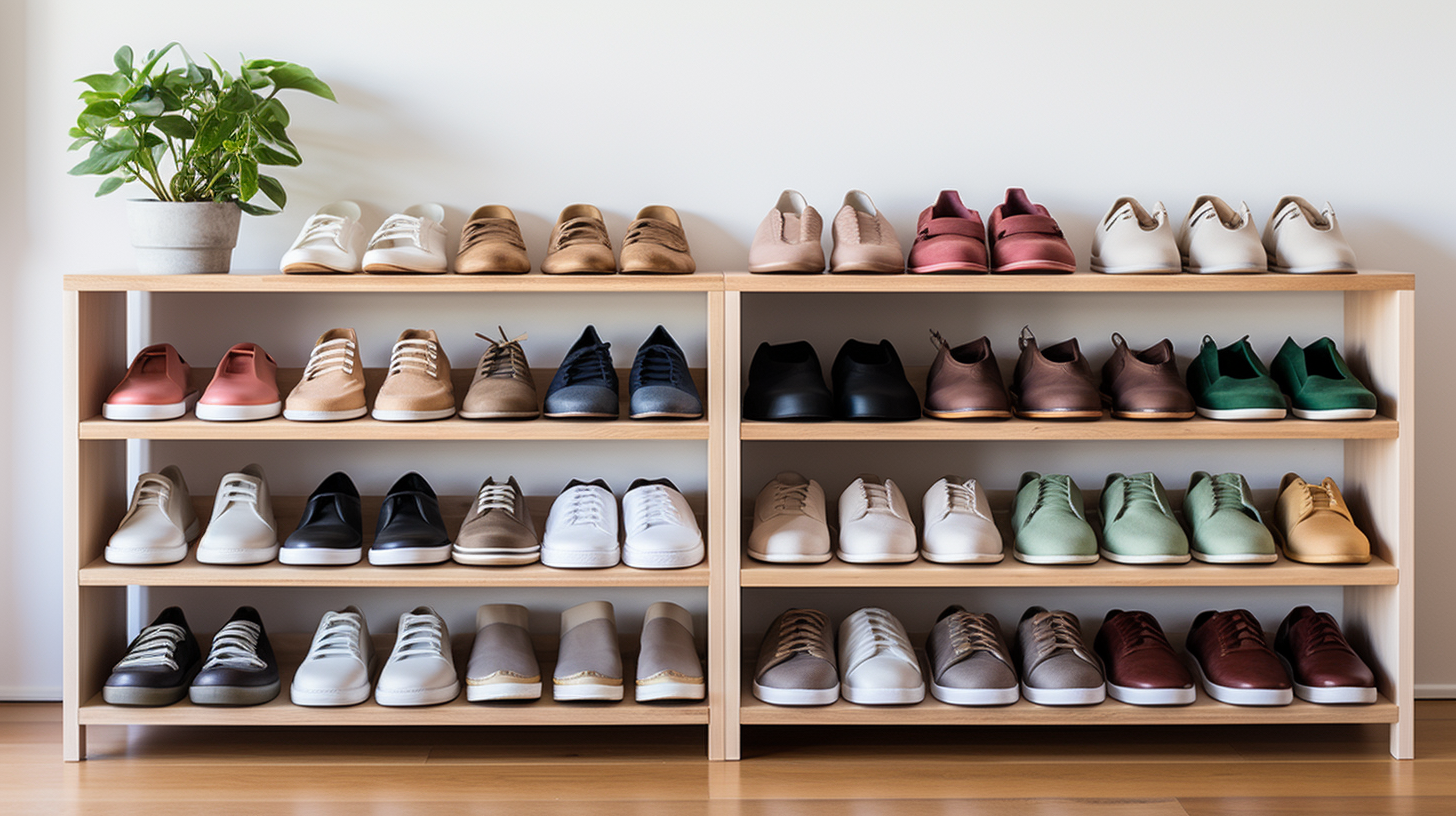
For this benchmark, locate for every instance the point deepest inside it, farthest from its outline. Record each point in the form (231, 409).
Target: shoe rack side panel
(726, 648)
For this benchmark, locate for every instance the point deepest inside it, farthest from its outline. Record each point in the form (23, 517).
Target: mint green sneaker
(1050, 523)
(1227, 529)
(1231, 383)
(1137, 522)
(1319, 384)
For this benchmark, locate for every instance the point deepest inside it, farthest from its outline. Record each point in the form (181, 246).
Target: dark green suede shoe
(1319, 384)
(1231, 383)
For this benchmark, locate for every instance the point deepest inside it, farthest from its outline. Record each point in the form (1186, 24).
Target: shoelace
(399, 227)
(491, 229)
(1227, 493)
(970, 634)
(655, 507)
(504, 358)
(237, 489)
(496, 497)
(155, 646)
(152, 490)
(653, 231)
(1057, 634)
(790, 497)
(418, 355)
(1324, 636)
(323, 228)
(341, 637)
(236, 647)
(589, 364)
(937, 342)
(1318, 497)
(582, 231)
(883, 635)
(1136, 490)
(1238, 632)
(960, 497)
(1140, 632)
(877, 498)
(330, 355)
(804, 631)
(422, 636)
(659, 364)
(1049, 489)
(586, 507)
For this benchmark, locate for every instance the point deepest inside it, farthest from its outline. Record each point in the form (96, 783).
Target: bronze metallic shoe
(491, 243)
(965, 382)
(1145, 384)
(503, 387)
(655, 244)
(1054, 382)
(579, 244)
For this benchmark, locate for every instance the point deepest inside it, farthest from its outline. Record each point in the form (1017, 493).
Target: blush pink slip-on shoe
(156, 386)
(863, 240)
(245, 386)
(1023, 237)
(788, 238)
(949, 238)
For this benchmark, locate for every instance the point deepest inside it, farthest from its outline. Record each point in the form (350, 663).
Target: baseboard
(30, 694)
(1436, 691)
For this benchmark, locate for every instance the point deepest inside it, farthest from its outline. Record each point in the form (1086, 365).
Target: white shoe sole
(1334, 413)
(495, 558)
(653, 692)
(1153, 697)
(963, 558)
(238, 413)
(319, 556)
(586, 692)
(1055, 559)
(409, 555)
(417, 697)
(638, 558)
(489, 692)
(1241, 413)
(796, 697)
(1234, 269)
(883, 696)
(150, 555)
(1237, 696)
(790, 558)
(1145, 559)
(251, 555)
(569, 559)
(149, 413)
(877, 558)
(1136, 270)
(1236, 558)
(412, 416)
(975, 696)
(1312, 270)
(1064, 697)
(1330, 695)
(324, 416)
(328, 697)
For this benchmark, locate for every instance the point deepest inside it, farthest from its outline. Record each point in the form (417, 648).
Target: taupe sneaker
(418, 383)
(796, 661)
(655, 244)
(498, 530)
(668, 667)
(579, 244)
(502, 662)
(491, 243)
(503, 387)
(589, 660)
(1057, 668)
(332, 387)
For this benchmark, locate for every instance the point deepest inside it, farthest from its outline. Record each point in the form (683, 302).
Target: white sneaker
(1215, 239)
(411, 241)
(332, 240)
(1302, 240)
(790, 524)
(336, 670)
(958, 524)
(662, 532)
(877, 664)
(581, 530)
(874, 523)
(243, 529)
(1132, 241)
(421, 668)
(158, 525)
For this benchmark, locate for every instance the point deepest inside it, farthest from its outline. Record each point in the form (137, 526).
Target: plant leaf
(111, 84)
(247, 178)
(273, 110)
(267, 155)
(214, 132)
(123, 140)
(79, 143)
(239, 99)
(109, 185)
(154, 56)
(289, 75)
(176, 126)
(122, 58)
(273, 190)
(254, 209)
(101, 162)
(148, 107)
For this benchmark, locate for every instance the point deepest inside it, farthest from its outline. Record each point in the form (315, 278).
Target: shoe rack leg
(728, 650)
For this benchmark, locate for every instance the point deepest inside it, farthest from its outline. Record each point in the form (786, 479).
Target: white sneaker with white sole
(421, 668)
(158, 525)
(662, 531)
(581, 530)
(340, 658)
(409, 242)
(332, 240)
(243, 529)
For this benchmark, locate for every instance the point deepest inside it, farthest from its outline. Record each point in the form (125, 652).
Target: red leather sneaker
(1324, 667)
(1023, 237)
(949, 238)
(157, 386)
(245, 386)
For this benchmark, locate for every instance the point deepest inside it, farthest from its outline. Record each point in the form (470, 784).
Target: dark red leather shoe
(1232, 660)
(1142, 668)
(1023, 237)
(1324, 667)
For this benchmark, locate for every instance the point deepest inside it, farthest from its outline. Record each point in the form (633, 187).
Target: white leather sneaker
(421, 668)
(158, 525)
(581, 530)
(243, 529)
(874, 523)
(877, 664)
(662, 532)
(336, 670)
(958, 524)
(1132, 241)
(790, 524)
(1302, 240)
(332, 240)
(1216, 240)
(411, 241)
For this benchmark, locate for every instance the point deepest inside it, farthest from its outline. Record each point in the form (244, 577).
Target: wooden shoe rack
(1377, 457)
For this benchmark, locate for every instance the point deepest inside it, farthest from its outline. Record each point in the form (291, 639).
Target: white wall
(714, 109)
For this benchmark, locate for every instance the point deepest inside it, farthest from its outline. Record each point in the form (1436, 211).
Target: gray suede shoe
(1057, 668)
(661, 383)
(498, 530)
(502, 662)
(589, 661)
(668, 667)
(969, 661)
(796, 661)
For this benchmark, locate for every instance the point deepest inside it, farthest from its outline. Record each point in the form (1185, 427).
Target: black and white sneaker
(240, 669)
(158, 666)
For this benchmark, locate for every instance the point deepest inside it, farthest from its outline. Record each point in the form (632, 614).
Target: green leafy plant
(211, 128)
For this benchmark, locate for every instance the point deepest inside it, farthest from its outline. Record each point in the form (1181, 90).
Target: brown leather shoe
(655, 244)
(503, 387)
(491, 243)
(1055, 382)
(1232, 660)
(1314, 524)
(1324, 667)
(1145, 384)
(965, 382)
(579, 244)
(1142, 668)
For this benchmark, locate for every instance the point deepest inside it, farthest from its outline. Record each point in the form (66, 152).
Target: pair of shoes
(581, 529)
(1020, 236)
(160, 521)
(332, 240)
(1230, 655)
(785, 383)
(661, 384)
(971, 665)
(876, 664)
(655, 244)
(157, 385)
(788, 238)
(1314, 381)
(164, 663)
(875, 526)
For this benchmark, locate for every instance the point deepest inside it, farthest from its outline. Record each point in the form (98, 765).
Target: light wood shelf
(939, 430)
(271, 281)
(1077, 282)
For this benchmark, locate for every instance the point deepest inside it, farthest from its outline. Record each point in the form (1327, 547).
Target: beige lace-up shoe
(503, 387)
(656, 244)
(491, 243)
(332, 387)
(418, 383)
(579, 244)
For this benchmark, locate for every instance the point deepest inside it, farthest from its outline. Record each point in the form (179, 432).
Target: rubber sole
(652, 692)
(400, 556)
(883, 696)
(975, 696)
(1237, 696)
(138, 556)
(1052, 267)
(967, 558)
(580, 415)
(491, 692)
(1241, 413)
(569, 559)
(499, 414)
(877, 558)
(150, 413)
(1059, 414)
(324, 698)
(638, 558)
(949, 266)
(586, 692)
(315, 269)
(233, 695)
(324, 416)
(319, 556)
(138, 696)
(1064, 697)
(1311, 270)
(867, 269)
(1239, 558)
(495, 558)
(1222, 270)
(1330, 414)
(243, 557)
(796, 697)
(1154, 414)
(397, 269)
(1153, 697)
(770, 558)
(238, 413)
(665, 415)
(974, 413)
(1119, 558)
(785, 268)
(1055, 559)
(412, 416)
(416, 697)
(1134, 270)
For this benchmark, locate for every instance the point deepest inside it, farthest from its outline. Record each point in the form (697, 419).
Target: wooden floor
(1103, 771)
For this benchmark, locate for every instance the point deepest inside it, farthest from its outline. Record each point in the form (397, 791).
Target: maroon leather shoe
(965, 382)
(948, 238)
(1145, 384)
(1142, 668)
(1023, 237)
(1324, 667)
(1054, 382)
(1232, 660)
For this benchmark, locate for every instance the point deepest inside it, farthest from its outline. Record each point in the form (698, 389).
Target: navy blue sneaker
(586, 384)
(662, 386)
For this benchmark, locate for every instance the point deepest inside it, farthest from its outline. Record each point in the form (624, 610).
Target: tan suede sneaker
(656, 244)
(332, 387)
(579, 244)
(1315, 524)
(491, 243)
(418, 383)
(503, 387)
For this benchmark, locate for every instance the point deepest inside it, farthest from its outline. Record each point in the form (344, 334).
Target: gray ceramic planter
(183, 237)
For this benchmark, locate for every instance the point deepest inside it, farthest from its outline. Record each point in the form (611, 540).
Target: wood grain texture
(939, 430)
(269, 281)
(1078, 282)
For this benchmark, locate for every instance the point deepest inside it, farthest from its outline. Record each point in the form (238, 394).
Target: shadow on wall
(13, 235)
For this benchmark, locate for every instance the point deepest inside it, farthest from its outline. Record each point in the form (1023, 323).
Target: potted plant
(195, 137)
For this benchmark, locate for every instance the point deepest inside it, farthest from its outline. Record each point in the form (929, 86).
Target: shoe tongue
(789, 477)
(659, 337)
(593, 483)
(1017, 202)
(950, 610)
(645, 482)
(589, 337)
